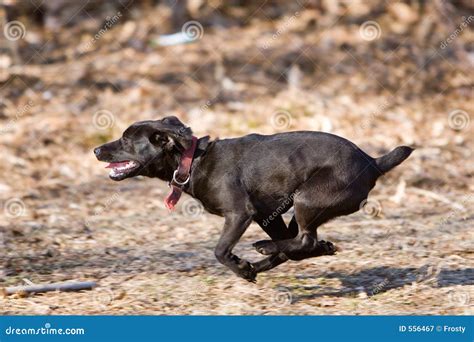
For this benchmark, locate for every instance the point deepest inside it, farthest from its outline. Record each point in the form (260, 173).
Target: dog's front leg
(235, 225)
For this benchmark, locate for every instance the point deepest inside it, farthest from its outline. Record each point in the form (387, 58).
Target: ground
(408, 251)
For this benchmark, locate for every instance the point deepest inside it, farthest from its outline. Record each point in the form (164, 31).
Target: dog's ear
(174, 132)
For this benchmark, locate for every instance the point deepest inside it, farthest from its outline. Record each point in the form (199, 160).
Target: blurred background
(75, 74)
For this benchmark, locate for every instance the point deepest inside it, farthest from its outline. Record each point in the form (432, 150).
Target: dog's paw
(327, 247)
(247, 271)
(266, 247)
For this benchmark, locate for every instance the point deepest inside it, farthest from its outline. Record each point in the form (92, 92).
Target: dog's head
(148, 148)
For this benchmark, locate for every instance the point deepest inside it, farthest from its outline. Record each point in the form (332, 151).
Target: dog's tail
(393, 158)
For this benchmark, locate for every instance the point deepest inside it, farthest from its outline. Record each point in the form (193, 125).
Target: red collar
(181, 176)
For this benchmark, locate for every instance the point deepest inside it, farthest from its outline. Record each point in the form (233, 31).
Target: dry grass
(413, 255)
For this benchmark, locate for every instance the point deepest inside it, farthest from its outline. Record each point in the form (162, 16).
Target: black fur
(258, 178)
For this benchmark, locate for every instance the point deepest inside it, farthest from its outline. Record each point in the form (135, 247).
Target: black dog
(255, 178)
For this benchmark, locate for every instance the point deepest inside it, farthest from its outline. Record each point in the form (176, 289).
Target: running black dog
(255, 178)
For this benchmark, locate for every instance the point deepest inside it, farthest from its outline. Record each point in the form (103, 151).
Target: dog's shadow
(378, 280)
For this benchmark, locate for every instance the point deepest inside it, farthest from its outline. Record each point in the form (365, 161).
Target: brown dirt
(408, 252)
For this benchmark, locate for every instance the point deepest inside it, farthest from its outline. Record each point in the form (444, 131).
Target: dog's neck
(164, 168)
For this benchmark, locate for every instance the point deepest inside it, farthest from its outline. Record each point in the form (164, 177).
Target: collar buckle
(174, 180)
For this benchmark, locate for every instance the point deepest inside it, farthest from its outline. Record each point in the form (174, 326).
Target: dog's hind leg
(277, 230)
(304, 245)
(310, 212)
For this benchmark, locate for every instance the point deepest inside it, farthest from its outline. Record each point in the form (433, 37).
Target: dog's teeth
(117, 171)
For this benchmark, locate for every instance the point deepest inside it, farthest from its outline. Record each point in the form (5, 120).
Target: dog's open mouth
(121, 170)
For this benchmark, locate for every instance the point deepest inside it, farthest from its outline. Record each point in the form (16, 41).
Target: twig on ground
(39, 288)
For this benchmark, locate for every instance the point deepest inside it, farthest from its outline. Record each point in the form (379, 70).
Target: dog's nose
(97, 151)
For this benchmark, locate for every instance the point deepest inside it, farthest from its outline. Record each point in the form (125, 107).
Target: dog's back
(273, 167)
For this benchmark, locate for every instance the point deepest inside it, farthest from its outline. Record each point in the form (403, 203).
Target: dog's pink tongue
(114, 165)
